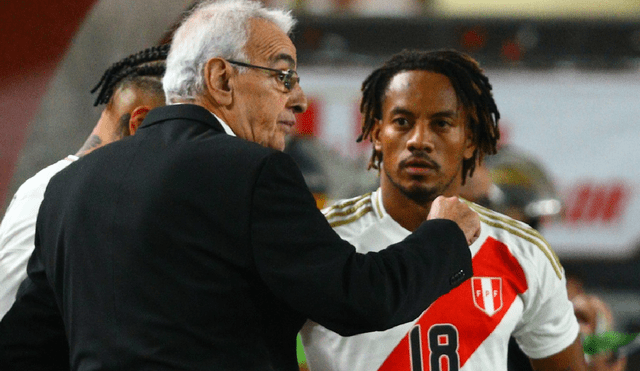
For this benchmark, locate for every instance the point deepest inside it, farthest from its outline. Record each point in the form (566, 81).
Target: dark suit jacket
(183, 248)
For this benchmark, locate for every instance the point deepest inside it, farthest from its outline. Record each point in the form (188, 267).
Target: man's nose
(421, 137)
(297, 100)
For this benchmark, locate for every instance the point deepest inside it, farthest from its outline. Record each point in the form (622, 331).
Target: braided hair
(472, 88)
(134, 69)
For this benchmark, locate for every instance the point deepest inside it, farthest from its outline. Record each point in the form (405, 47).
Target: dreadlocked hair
(134, 68)
(472, 88)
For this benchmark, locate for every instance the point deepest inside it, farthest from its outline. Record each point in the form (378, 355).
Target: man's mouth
(287, 125)
(419, 166)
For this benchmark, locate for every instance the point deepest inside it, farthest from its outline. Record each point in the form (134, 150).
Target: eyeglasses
(289, 78)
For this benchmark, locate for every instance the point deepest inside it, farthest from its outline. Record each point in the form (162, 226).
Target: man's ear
(137, 116)
(469, 144)
(375, 136)
(217, 73)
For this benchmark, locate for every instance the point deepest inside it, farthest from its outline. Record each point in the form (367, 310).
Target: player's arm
(570, 359)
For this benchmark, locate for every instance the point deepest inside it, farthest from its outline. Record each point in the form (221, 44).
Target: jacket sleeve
(32, 333)
(306, 264)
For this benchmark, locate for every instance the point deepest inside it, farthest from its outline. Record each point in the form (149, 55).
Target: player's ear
(137, 116)
(469, 143)
(218, 74)
(375, 136)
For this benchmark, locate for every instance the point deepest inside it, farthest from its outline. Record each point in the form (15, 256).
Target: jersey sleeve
(549, 324)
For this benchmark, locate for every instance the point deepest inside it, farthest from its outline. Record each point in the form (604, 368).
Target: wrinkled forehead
(267, 43)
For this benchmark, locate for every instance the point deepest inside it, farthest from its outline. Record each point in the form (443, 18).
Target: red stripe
(458, 309)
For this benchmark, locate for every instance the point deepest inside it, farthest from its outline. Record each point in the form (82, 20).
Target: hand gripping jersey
(518, 289)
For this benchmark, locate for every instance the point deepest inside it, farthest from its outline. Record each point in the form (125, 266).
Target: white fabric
(227, 128)
(18, 229)
(541, 317)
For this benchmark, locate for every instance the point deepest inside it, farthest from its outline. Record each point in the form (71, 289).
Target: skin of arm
(570, 359)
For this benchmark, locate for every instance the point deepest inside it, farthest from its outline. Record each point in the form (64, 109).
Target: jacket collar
(181, 112)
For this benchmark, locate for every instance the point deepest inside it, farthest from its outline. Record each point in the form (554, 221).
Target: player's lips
(418, 166)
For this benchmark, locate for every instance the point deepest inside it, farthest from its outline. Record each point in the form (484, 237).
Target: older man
(196, 245)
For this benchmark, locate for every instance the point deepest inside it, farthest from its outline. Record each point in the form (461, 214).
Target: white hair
(212, 29)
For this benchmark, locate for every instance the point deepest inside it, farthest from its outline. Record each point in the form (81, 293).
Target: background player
(129, 88)
(431, 118)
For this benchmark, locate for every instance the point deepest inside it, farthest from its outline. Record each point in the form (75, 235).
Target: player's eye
(401, 122)
(442, 124)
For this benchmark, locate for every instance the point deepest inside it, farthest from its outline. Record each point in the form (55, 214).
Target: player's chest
(473, 320)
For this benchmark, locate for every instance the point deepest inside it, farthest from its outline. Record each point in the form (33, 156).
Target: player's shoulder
(35, 186)
(523, 241)
(350, 213)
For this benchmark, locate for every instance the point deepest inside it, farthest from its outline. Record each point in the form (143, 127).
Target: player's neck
(103, 133)
(402, 209)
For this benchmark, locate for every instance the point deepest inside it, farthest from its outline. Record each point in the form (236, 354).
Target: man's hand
(451, 208)
(596, 319)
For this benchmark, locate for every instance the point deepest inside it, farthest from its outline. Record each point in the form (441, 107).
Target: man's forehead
(269, 43)
(432, 89)
(417, 82)
(407, 78)
(399, 81)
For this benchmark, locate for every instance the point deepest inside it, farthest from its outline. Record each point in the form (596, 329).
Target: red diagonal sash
(453, 327)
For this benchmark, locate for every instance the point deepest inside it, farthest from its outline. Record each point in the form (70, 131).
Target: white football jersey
(518, 289)
(18, 229)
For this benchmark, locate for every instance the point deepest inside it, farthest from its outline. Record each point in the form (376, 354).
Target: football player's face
(423, 136)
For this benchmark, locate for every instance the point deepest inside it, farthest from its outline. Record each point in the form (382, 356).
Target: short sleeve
(549, 324)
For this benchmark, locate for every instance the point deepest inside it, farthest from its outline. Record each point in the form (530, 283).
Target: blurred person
(130, 88)
(304, 151)
(596, 319)
(432, 119)
(521, 188)
(195, 244)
